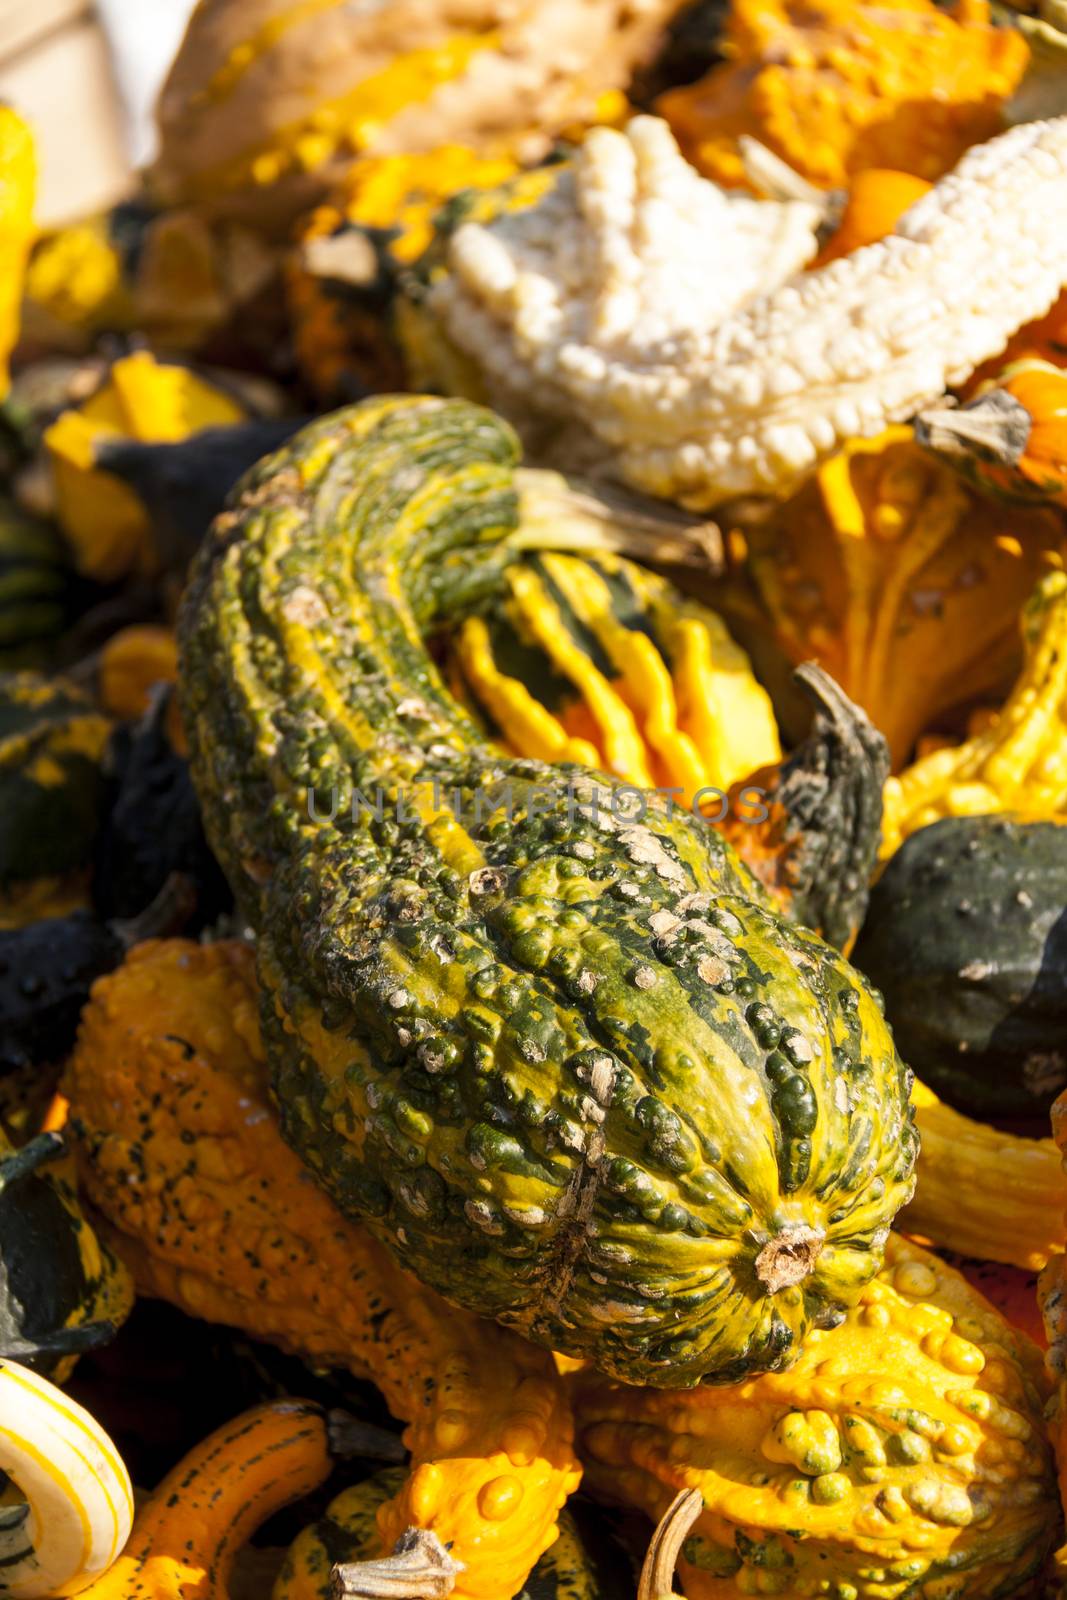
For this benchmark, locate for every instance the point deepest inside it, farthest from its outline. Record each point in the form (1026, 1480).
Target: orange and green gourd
(1011, 439)
(573, 1069)
(903, 583)
(188, 1532)
(18, 185)
(904, 1454)
(180, 1151)
(840, 86)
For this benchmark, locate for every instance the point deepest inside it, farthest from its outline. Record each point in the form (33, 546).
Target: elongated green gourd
(572, 1069)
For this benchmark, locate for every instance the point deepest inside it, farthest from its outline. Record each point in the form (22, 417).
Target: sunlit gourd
(689, 358)
(840, 86)
(182, 1154)
(900, 581)
(907, 1448)
(498, 991)
(67, 1503)
(1016, 760)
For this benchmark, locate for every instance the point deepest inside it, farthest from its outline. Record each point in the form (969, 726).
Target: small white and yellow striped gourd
(68, 1507)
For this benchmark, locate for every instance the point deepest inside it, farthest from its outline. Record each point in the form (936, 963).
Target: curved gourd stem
(567, 513)
(817, 846)
(657, 1574)
(995, 427)
(420, 1568)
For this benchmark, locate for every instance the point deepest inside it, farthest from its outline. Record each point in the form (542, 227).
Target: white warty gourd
(669, 321)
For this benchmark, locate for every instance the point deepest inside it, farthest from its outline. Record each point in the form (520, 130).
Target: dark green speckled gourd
(573, 1070)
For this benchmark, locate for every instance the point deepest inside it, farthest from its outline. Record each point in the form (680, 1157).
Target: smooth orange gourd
(186, 1534)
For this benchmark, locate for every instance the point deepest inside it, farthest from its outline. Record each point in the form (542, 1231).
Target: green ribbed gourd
(572, 1068)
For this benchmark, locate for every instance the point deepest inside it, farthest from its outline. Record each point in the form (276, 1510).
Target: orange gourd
(181, 1153)
(835, 86)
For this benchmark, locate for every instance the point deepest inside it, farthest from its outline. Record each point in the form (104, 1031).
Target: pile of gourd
(533, 763)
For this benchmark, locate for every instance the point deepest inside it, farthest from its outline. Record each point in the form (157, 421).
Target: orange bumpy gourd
(841, 85)
(182, 1155)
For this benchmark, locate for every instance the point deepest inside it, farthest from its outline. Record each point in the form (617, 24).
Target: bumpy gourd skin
(347, 1533)
(903, 1456)
(574, 1072)
(182, 1156)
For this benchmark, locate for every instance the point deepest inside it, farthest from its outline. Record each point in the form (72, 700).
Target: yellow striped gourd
(76, 1509)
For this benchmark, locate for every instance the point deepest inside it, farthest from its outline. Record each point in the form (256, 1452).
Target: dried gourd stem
(567, 513)
(420, 1568)
(996, 427)
(788, 1257)
(167, 914)
(774, 179)
(657, 1574)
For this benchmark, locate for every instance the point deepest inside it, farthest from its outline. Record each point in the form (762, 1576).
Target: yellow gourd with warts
(903, 1454)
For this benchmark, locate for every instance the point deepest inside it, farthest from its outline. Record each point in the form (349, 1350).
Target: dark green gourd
(976, 988)
(572, 1069)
